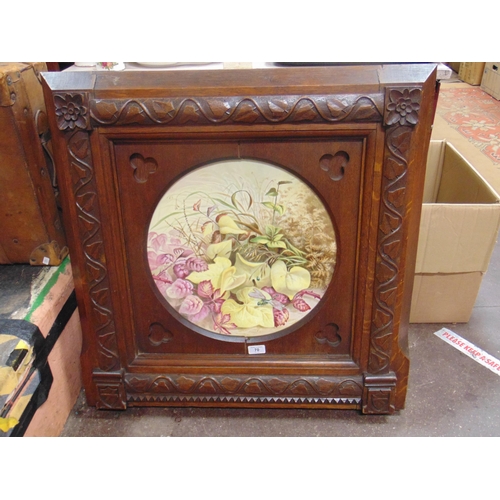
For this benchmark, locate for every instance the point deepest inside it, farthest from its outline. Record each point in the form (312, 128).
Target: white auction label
(46, 261)
(469, 349)
(256, 349)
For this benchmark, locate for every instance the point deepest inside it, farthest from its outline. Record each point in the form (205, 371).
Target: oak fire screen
(244, 237)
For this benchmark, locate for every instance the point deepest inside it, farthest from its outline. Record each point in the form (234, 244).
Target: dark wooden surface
(380, 115)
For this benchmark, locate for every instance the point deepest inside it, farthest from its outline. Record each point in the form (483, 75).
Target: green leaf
(295, 250)
(219, 200)
(272, 192)
(268, 204)
(276, 244)
(237, 202)
(294, 260)
(272, 231)
(260, 239)
(280, 209)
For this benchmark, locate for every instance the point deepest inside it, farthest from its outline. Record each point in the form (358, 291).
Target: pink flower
(164, 244)
(300, 304)
(194, 308)
(156, 260)
(196, 264)
(222, 322)
(206, 290)
(185, 267)
(159, 242)
(281, 316)
(179, 289)
(181, 271)
(162, 281)
(280, 297)
(153, 264)
(192, 305)
(204, 312)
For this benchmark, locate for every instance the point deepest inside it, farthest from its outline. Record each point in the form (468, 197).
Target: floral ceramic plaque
(241, 248)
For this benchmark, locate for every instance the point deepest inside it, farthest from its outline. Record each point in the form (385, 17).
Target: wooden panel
(355, 138)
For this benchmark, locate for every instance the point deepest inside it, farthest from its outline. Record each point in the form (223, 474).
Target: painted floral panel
(241, 248)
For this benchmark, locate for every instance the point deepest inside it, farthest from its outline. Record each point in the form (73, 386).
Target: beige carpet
(448, 127)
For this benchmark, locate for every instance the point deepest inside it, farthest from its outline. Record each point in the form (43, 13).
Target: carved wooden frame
(79, 117)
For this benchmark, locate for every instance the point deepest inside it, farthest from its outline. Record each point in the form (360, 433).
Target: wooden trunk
(31, 229)
(244, 237)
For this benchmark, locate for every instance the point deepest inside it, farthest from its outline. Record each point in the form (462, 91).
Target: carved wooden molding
(72, 111)
(89, 224)
(401, 114)
(244, 388)
(110, 391)
(257, 400)
(237, 110)
(378, 397)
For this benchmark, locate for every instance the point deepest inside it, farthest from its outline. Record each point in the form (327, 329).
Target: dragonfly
(263, 300)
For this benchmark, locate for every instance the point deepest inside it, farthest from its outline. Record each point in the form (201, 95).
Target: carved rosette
(270, 389)
(89, 223)
(402, 107)
(237, 110)
(401, 114)
(72, 111)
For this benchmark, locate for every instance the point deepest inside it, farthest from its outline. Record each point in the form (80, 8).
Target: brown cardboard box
(458, 231)
(471, 72)
(491, 79)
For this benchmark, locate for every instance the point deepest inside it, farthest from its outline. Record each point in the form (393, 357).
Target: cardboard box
(471, 72)
(458, 232)
(444, 72)
(491, 79)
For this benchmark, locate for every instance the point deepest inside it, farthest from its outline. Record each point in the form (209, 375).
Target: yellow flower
(213, 273)
(229, 280)
(248, 313)
(222, 249)
(257, 273)
(221, 274)
(289, 282)
(229, 226)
